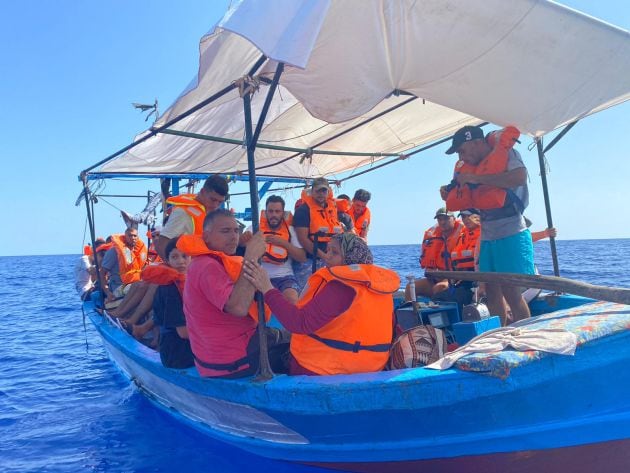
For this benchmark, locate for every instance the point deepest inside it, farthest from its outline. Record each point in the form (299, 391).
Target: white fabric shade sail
(533, 64)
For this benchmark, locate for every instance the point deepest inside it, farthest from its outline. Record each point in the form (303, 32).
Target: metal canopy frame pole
(264, 369)
(543, 178)
(344, 132)
(560, 135)
(261, 60)
(90, 216)
(292, 149)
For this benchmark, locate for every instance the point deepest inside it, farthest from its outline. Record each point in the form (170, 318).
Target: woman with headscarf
(343, 321)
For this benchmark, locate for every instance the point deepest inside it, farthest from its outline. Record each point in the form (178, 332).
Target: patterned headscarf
(353, 249)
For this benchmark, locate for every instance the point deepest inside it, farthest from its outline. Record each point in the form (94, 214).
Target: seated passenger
(463, 257)
(85, 271)
(123, 263)
(343, 212)
(283, 246)
(128, 297)
(437, 244)
(343, 323)
(218, 302)
(168, 309)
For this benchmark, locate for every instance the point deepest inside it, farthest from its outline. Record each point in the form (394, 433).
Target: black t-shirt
(302, 218)
(168, 314)
(168, 308)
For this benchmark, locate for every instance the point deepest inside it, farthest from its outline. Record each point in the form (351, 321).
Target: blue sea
(65, 408)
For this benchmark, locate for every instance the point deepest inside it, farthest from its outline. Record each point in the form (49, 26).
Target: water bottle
(411, 281)
(415, 307)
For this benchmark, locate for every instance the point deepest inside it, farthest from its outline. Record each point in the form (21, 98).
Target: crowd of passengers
(192, 296)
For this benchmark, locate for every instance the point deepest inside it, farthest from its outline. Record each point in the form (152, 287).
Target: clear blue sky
(70, 69)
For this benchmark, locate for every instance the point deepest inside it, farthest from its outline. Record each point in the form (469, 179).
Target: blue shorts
(285, 282)
(513, 254)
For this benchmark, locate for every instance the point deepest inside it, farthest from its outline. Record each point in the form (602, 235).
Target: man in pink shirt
(223, 336)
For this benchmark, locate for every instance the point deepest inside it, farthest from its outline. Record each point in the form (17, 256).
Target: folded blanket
(550, 340)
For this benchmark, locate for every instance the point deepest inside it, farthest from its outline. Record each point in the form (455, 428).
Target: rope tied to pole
(247, 85)
(307, 155)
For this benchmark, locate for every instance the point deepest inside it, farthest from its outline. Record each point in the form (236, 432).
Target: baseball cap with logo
(464, 134)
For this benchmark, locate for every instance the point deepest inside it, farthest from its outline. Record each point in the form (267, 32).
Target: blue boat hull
(558, 410)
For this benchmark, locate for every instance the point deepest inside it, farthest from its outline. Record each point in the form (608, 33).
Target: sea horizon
(373, 245)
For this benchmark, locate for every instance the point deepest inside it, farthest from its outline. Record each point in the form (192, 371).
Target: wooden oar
(552, 283)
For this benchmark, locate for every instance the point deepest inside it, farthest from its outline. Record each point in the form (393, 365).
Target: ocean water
(65, 408)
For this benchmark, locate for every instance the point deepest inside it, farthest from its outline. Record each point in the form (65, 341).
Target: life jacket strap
(353, 347)
(515, 207)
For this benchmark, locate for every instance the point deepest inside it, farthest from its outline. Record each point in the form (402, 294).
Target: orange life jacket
(324, 221)
(130, 261)
(463, 255)
(276, 254)
(436, 250)
(343, 205)
(152, 253)
(483, 196)
(362, 222)
(358, 340)
(193, 245)
(192, 207)
(105, 247)
(163, 275)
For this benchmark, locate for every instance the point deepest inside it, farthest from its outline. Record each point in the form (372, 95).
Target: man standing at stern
(490, 176)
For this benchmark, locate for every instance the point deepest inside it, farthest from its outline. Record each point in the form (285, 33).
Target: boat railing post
(543, 177)
(90, 216)
(264, 368)
(315, 252)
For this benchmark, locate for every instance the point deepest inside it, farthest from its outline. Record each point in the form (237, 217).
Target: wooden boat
(349, 85)
(509, 411)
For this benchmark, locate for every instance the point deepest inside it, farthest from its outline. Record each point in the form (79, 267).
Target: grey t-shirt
(493, 225)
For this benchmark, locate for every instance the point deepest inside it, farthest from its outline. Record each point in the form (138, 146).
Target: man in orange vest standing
(493, 168)
(360, 212)
(283, 247)
(315, 219)
(437, 244)
(190, 210)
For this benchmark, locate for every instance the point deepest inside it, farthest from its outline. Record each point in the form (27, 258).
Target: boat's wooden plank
(551, 283)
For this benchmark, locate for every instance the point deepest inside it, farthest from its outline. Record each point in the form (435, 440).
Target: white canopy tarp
(533, 64)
